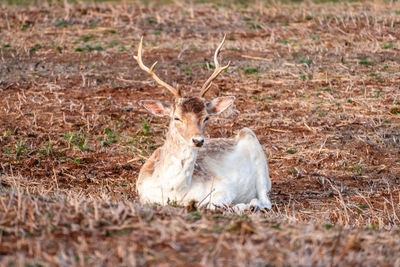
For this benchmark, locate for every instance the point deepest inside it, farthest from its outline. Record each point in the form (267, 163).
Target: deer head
(189, 115)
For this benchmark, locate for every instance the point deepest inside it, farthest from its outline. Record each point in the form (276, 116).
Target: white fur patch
(239, 177)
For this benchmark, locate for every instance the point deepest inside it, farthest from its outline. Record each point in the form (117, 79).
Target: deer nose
(198, 141)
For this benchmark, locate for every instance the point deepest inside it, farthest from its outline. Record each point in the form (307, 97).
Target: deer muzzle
(198, 141)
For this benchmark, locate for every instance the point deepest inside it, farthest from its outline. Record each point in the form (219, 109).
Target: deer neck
(177, 160)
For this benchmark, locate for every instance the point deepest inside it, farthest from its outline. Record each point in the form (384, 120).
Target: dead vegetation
(318, 83)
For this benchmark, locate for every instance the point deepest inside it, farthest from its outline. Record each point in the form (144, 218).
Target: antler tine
(217, 71)
(175, 92)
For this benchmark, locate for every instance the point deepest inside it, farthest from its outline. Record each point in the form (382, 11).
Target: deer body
(215, 172)
(222, 172)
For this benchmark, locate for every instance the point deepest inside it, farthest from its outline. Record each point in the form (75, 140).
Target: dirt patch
(318, 83)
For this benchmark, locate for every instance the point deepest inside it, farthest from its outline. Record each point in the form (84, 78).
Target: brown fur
(192, 112)
(245, 133)
(193, 104)
(192, 126)
(212, 149)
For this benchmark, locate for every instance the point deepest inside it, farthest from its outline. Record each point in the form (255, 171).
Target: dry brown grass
(68, 228)
(319, 84)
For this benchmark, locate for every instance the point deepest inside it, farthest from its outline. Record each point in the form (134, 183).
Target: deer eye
(206, 119)
(177, 119)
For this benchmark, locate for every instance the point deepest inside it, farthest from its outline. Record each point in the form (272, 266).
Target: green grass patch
(146, 128)
(112, 44)
(35, 48)
(195, 216)
(374, 74)
(305, 61)
(388, 46)
(291, 151)
(89, 48)
(119, 232)
(305, 77)
(111, 137)
(395, 111)
(255, 26)
(122, 48)
(251, 70)
(78, 140)
(208, 65)
(87, 38)
(25, 27)
(61, 23)
(366, 62)
(325, 89)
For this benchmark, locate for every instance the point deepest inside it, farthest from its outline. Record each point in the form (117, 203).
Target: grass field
(317, 82)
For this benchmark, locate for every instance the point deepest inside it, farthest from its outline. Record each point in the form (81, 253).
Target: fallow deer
(217, 172)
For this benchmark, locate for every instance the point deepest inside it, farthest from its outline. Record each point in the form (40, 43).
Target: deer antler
(175, 92)
(217, 70)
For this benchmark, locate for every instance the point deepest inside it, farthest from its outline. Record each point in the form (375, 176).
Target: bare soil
(318, 83)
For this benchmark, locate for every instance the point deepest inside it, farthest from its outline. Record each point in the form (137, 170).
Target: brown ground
(318, 83)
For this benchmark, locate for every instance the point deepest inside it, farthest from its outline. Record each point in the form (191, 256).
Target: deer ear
(156, 107)
(217, 105)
